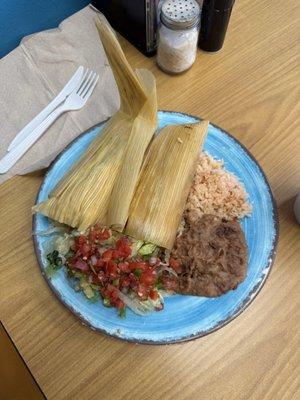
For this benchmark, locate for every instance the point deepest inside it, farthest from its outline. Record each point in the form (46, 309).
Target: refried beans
(213, 256)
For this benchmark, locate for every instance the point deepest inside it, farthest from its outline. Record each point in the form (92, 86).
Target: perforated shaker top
(180, 14)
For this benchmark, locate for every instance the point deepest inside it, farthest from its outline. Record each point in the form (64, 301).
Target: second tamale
(164, 183)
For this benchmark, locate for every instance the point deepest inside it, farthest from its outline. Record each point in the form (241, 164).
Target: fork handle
(10, 159)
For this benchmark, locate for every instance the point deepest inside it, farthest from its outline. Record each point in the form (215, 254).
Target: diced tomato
(101, 263)
(153, 294)
(142, 292)
(96, 234)
(124, 240)
(148, 278)
(114, 295)
(102, 277)
(125, 282)
(112, 269)
(110, 288)
(104, 235)
(104, 292)
(143, 265)
(80, 240)
(93, 235)
(85, 250)
(175, 264)
(122, 245)
(107, 255)
(111, 292)
(78, 254)
(119, 304)
(125, 251)
(132, 265)
(116, 254)
(124, 267)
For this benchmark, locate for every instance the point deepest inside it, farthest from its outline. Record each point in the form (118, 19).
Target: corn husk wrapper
(164, 184)
(143, 129)
(103, 178)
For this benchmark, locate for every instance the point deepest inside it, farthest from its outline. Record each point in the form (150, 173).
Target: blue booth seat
(19, 18)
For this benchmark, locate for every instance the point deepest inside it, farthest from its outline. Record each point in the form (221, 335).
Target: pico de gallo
(122, 271)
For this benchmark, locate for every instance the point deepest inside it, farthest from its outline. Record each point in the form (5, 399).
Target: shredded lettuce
(63, 243)
(110, 241)
(55, 262)
(90, 290)
(50, 271)
(147, 249)
(141, 307)
(136, 245)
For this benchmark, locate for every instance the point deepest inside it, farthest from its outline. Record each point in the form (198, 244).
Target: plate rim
(245, 304)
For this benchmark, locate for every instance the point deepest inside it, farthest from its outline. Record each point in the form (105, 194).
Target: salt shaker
(178, 35)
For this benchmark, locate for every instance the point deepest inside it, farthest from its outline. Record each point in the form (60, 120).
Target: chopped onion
(81, 265)
(63, 259)
(142, 307)
(152, 261)
(167, 256)
(164, 268)
(94, 259)
(134, 304)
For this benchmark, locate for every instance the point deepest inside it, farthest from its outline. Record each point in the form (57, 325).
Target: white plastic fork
(57, 101)
(76, 100)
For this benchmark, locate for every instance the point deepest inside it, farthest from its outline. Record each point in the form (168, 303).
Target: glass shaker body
(178, 33)
(177, 49)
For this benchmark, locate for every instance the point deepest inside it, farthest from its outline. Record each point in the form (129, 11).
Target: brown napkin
(34, 73)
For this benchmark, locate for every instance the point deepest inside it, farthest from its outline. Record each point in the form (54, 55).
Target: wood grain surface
(252, 89)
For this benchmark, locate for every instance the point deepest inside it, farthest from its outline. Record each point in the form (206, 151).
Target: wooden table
(251, 89)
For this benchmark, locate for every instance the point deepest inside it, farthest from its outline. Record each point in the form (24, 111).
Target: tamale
(142, 131)
(82, 197)
(164, 183)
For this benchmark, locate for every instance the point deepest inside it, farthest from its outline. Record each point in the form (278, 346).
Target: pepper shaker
(214, 22)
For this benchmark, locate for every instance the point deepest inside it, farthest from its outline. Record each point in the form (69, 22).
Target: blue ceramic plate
(184, 317)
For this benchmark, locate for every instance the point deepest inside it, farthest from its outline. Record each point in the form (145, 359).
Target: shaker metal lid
(180, 14)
